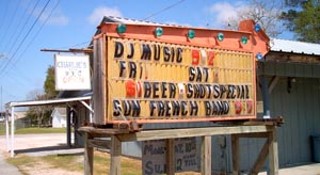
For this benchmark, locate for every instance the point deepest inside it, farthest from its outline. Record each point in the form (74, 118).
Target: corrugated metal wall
(298, 102)
(300, 109)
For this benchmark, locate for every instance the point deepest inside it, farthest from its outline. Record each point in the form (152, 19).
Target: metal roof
(47, 102)
(278, 45)
(137, 21)
(281, 45)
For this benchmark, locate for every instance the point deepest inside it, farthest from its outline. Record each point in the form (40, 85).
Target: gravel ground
(36, 145)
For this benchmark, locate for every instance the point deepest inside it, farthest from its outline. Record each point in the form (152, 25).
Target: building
(292, 71)
(58, 117)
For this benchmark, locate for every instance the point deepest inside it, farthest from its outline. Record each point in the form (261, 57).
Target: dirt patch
(43, 168)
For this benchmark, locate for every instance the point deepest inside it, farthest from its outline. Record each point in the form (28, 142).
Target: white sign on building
(72, 72)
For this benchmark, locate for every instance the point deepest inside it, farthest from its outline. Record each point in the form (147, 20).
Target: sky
(26, 26)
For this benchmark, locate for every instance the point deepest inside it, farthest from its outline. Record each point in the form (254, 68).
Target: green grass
(35, 130)
(74, 163)
(40, 130)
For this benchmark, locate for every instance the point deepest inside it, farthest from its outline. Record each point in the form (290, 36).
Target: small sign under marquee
(154, 156)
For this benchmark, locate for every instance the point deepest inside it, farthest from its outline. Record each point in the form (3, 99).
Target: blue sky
(72, 23)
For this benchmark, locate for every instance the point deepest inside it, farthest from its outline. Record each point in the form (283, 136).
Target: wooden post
(69, 127)
(273, 153)
(88, 155)
(171, 160)
(235, 154)
(115, 156)
(206, 155)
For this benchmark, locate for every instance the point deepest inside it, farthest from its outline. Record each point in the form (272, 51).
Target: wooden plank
(171, 161)
(88, 156)
(253, 135)
(273, 153)
(106, 144)
(102, 131)
(190, 132)
(261, 157)
(235, 154)
(115, 162)
(281, 57)
(206, 155)
(99, 76)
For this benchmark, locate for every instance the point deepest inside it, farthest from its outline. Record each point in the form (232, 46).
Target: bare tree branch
(266, 13)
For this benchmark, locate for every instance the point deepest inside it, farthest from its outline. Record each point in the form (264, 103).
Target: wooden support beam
(236, 132)
(190, 132)
(273, 153)
(115, 162)
(235, 154)
(206, 155)
(88, 156)
(171, 161)
(261, 158)
(273, 83)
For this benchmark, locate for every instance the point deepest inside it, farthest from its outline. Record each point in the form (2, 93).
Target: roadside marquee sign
(152, 77)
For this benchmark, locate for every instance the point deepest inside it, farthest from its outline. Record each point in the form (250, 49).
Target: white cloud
(223, 12)
(57, 18)
(99, 12)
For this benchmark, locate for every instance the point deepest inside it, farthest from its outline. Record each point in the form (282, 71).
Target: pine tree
(303, 18)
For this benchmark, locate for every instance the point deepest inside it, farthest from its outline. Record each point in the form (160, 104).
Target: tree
(265, 13)
(303, 18)
(49, 84)
(40, 115)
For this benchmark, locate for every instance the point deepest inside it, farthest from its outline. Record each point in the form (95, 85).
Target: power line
(15, 40)
(37, 33)
(154, 14)
(29, 44)
(25, 37)
(13, 17)
(164, 9)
